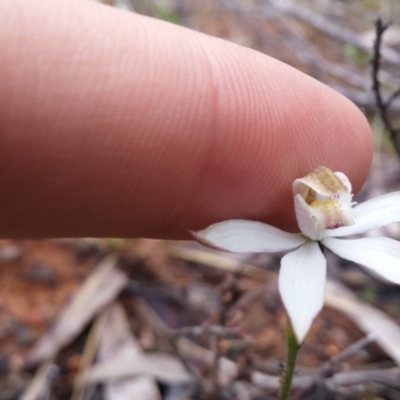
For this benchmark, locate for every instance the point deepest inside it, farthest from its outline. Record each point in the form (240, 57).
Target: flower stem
(292, 350)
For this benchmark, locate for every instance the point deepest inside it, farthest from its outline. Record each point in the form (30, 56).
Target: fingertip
(281, 125)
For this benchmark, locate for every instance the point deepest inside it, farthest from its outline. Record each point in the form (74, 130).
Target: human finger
(114, 124)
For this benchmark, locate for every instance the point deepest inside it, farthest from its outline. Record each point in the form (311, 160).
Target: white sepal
(380, 254)
(322, 183)
(302, 285)
(241, 236)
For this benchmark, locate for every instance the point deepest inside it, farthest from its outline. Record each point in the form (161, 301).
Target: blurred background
(118, 319)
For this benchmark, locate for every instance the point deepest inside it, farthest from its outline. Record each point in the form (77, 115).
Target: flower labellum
(325, 213)
(322, 200)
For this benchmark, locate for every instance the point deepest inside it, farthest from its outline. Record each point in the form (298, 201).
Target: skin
(114, 124)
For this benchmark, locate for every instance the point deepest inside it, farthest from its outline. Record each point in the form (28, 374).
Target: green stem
(292, 350)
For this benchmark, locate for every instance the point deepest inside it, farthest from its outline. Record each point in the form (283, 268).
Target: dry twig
(383, 106)
(326, 369)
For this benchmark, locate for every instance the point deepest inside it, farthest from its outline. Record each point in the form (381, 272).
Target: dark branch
(383, 106)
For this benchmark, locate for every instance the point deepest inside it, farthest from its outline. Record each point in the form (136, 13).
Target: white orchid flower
(325, 213)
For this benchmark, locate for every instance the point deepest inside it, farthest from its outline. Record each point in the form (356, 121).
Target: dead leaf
(117, 341)
(163, 367)
(100, 288)
(139, 388)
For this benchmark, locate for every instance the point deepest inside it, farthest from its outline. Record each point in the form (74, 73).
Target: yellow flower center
(332, 211)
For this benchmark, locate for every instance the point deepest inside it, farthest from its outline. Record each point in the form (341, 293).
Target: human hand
(114, 124)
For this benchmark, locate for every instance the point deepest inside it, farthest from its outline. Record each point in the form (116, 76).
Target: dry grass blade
(218, 261)
(89, 352)
(39, 384)
(368, 318)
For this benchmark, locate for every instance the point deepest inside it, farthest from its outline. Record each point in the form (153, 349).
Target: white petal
(302, 286)
(371, 214)
(241, 236)
(380, 254)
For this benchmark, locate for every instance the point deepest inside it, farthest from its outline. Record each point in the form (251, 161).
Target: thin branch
(333, 30)
(387, 376)
(354, 86)
(214, 330)
(326, 368)
(383, 106)
(188, 366)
